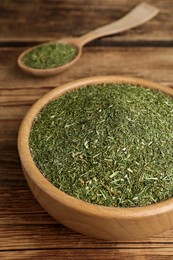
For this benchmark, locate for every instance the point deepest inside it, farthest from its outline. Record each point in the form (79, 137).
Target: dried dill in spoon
(107, 144)
(50, 55)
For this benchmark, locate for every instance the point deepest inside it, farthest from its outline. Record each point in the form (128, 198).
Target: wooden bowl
(97, 221)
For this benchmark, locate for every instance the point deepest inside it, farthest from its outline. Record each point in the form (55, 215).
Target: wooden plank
(54, 236)
(19, 91)
(147, 62)
(19, 211)
(23, 22)
(17, 200)
(97, 254)
(21, 219)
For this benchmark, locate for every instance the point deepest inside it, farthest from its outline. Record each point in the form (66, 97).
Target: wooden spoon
(137, 16)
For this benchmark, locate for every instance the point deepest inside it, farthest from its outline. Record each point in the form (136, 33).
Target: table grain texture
(26, 230)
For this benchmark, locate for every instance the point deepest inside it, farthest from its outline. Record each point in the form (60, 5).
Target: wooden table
(26, 230)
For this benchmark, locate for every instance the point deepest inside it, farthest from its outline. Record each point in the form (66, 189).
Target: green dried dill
(107, 144)
(50, 56)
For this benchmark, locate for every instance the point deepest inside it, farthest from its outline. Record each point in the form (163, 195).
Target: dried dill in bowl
(107, 144)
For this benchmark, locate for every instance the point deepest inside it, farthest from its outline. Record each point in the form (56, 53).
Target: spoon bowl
(137, 16)
(50, 71)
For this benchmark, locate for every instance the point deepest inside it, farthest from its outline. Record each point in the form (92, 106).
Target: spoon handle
(137, 16)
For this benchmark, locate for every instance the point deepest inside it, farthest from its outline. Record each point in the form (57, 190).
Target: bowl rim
(60, 196)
